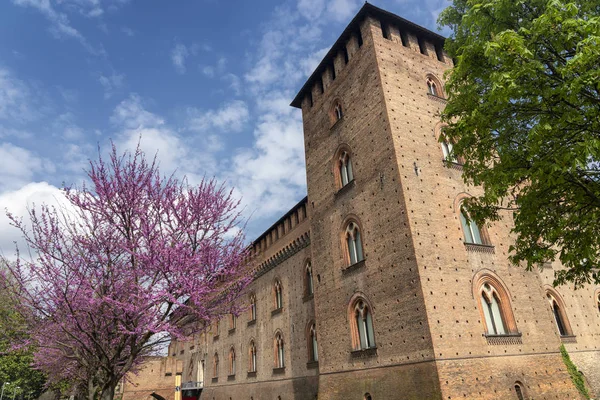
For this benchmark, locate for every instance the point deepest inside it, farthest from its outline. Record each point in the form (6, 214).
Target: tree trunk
(108, 393)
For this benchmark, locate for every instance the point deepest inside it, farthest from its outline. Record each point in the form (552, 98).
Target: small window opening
(422, 46)
(321, 87)
(368, 396)
(346, 56)
(598, 300)
(385, 30)
(404, 38)
(439, 51)
(359, 38)
(519, 391)
(332, 72)
(310, 100)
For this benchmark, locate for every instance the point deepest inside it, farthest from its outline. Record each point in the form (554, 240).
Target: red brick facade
(427, 297)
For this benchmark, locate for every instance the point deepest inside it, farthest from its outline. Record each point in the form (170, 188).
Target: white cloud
(311, 9)
(178, 55)
(15, 99)
(65, 126)
(111, 83)
(131, 114)
(19, 166)
(17, 202)
(342, 10)
(308, 64)
(230, 117)
(61, 25)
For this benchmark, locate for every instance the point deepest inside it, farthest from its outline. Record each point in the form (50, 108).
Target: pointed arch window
(447, 151)
(252, 357)
(598, 301)
(252, 307)
(558, 311)
(490, 303)
(232, 321)
(279, 351)
(337, 110)
(353, 243)
(519, 391)
(231, 361)
(363, 337)
(278, 295)
(310, 290)
(473, 234)
(345, 168)
(313, 350)
(216, 365)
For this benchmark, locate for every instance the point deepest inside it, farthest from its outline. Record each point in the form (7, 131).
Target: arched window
(337, 111)
(279, 351)
(558, 310)
(353, 244)
(598, 301)
(433, 86)
(232, 361)
(216, 366)
(368, 396)
(494, 303)
(362, 325)
(252, 357)
(232, 321)
(519, 390)
(345, 168)
(278, 295)
(473, 234)
(310, 290)
(449, 156)
(217, 327)
(252, 307)
(490, 304)
(313, 350)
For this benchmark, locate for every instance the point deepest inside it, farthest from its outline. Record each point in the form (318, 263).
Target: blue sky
(206, 83)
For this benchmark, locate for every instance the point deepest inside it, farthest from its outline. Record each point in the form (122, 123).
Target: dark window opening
(404, 39)
(321, 88)
(310, 100)
(559, 321)
(360, 39)
(422, 46)
(519, 392)
(332, 72)
(439, 51)
(385, 30)
(346, 57)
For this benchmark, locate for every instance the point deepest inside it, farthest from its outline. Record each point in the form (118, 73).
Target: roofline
(280, 220)
(366, 10)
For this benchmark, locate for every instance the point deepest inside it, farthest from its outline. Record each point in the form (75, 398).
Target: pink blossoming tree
(124, 267)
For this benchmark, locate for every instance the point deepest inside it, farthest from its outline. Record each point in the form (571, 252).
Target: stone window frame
(336, 112)
(352, 224)
(312, 342)
(309, 283)
(216, 365)
(343, 161)
(446, 147)
(252, 358)
(483, 230)
(434, 86)
(520, 390)
(252, 308)
(231, 361)
(353, 314)
(495, 286)
(277, 294)
(278, 350)
(558, 309)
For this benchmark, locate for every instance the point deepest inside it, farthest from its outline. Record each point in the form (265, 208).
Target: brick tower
(450, 318)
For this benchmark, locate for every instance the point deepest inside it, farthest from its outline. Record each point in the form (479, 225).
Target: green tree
(524, 113)
(16, 363)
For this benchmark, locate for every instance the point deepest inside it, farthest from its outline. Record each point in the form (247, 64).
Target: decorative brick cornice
(437, 98)
(568, 339)
(282, 255)
(479, 248)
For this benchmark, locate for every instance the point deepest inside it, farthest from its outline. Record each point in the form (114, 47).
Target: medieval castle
(376, 285)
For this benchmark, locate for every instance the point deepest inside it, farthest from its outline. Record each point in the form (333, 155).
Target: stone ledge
(279, 371)
(480, 248)
(568, 339)
(308, 297)
(251, 374)
(504, 340)
(231, 377)
(216, 337)
(437, 98)
(364, 353)
(276, 311)
(341, 191)
(353, 267)
(252, 322)
(452, 164)
(312, 365)
(215, 380)
(231, 331)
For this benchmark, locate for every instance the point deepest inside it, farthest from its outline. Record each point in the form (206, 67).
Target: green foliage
(524, 112)
(576, 376)
(16, 364)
